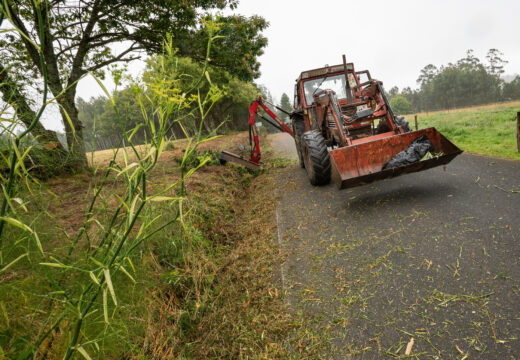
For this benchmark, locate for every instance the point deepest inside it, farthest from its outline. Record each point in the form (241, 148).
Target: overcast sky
(393, 39)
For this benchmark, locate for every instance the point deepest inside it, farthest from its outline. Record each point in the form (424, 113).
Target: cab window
(335, 83)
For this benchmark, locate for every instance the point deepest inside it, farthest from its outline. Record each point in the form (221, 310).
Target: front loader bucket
(362, 162)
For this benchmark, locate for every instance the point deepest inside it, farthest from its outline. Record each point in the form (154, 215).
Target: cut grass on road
(485, 130)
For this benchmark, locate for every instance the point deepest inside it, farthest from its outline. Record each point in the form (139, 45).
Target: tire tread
(319, 168)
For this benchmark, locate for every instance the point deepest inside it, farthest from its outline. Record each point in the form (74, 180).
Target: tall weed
(72, 287)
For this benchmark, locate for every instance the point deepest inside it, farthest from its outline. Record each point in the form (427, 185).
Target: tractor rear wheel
(399, 121)
(299, 129)
(316, 157)
(402, 122)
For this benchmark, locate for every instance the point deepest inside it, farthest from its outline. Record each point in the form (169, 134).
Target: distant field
(486, 130)
(175, 147)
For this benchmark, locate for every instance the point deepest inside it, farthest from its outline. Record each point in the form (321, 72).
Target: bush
(400, 105)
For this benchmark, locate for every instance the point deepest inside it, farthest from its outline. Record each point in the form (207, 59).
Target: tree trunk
(77, 159)
(74, 133)
(12, 95)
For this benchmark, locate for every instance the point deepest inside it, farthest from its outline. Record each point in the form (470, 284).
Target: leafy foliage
(237, 48)
(230, 112)
(80, 37)
(197, 159)
(400, 105)
(511, 90)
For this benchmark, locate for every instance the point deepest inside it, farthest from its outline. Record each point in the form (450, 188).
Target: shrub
(400, 105)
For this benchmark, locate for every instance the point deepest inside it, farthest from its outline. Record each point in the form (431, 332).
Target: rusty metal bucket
(362, 162)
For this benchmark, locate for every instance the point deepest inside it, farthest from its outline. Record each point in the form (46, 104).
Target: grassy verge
(486, 130)
(239, 313)
(202, 291)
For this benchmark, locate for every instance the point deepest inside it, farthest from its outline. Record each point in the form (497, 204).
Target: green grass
(486, 130)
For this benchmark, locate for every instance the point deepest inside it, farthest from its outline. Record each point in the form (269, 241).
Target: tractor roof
(324, 70)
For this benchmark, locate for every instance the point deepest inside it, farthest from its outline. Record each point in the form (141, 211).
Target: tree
(266, 94)
(413, 97)
(13, 94)
(496, 68)
(400, 105)
(77, 38)
(393, 92)
(464, 83)
(128, 109)
(285, 103)
(470, 61)
(496, 63)
(237, 48)
(511, 89)
(427, 74)
(90, 110)
(237, 93)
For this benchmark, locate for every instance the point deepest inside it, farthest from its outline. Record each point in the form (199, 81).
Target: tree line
(467, 82)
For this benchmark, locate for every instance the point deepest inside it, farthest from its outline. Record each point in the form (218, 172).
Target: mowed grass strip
(486, 130)
(198, 291)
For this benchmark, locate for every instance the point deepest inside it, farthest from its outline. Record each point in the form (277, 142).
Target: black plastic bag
(414, 153)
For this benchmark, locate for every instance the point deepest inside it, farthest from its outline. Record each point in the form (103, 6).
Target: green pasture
(486, 130)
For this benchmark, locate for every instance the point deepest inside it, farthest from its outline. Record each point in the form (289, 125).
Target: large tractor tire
(299, 129)
(402, 122)
(316, 157)
(399, 121)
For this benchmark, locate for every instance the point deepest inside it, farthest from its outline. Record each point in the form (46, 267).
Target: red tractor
(336, 135)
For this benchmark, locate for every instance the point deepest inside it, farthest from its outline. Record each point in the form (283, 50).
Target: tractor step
(362, 162)
(226, 156)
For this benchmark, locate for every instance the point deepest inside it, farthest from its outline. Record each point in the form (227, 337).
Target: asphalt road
(433, 256)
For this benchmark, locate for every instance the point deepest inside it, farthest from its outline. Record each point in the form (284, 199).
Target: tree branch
(119, 58)
(12, 95)
(83, 48)
(116, 37)
(51, 62)
(18, 23)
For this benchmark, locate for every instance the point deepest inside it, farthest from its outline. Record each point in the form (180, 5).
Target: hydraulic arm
(255, 158)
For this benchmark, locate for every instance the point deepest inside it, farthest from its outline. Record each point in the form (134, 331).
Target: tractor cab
(358, 104)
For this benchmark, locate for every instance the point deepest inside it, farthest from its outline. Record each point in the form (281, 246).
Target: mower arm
(256, 156)
(253, 130)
